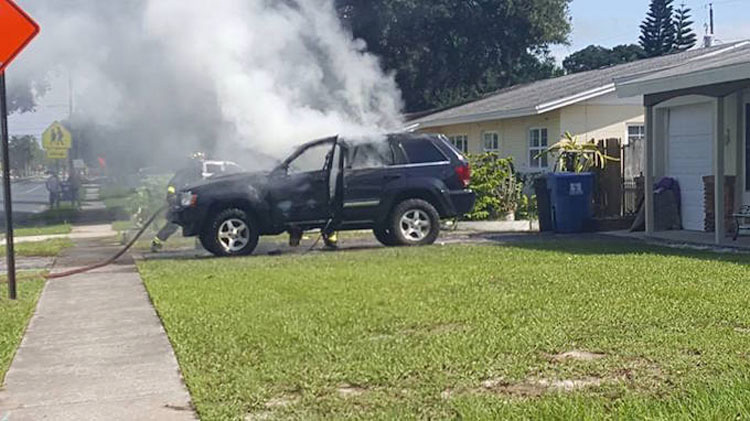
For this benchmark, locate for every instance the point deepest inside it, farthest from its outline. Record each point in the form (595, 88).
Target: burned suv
(400, 186)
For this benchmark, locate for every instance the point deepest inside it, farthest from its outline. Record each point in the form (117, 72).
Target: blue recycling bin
(571, 199)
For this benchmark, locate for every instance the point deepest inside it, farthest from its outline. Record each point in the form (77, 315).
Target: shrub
(527, 208)
(498, 187)
(64, 214)
(111, 191)
(148, 198)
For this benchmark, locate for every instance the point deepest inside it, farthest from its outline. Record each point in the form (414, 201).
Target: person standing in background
(53, 187)
(74, 181)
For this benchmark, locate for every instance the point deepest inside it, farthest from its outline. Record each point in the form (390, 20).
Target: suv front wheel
(231, 232)
(385, 236)
(415, 222)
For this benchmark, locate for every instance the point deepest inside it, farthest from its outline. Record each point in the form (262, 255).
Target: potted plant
(577, 157)
(571, 185)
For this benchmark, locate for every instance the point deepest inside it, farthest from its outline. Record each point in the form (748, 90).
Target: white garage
(690, 135)
(697, 125)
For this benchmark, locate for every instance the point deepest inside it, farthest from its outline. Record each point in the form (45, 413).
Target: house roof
(732, 63)
(551, 94)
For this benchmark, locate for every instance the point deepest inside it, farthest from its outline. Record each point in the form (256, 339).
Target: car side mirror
(281, 171)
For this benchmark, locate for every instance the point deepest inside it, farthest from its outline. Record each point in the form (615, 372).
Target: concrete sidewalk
(95, 350)
(498, 226)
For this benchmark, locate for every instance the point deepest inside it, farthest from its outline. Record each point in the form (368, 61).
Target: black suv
(400, 186)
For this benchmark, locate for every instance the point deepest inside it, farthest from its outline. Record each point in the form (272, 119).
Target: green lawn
(58, 229)
(15, 315)
(473, 332)
(48, 248)
(121, 226)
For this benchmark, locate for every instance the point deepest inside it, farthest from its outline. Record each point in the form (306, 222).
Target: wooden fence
(619, 189)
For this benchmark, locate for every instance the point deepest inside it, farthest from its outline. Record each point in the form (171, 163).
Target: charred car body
(400, 186)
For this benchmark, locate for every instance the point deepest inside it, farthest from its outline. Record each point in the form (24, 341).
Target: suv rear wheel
(231, 232)
(415, 222)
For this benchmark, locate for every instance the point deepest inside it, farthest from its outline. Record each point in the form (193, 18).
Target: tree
(25, 153)
(24, 91)
(445, 52)
(658, 30)
(595, 57)
(685, 38)
(627, 52)
(590, 58)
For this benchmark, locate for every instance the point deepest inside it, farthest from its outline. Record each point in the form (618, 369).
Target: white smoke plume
(176, 75)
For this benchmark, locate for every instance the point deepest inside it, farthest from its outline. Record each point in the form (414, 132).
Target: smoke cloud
(158, 78)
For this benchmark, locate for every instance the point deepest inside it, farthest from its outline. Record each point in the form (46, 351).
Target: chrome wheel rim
(234, 235)
(415, 225)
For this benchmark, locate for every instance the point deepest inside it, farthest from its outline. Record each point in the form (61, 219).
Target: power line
(727, 1)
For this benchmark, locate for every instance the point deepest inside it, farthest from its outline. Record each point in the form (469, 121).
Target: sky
(52, 107)
(613, 22)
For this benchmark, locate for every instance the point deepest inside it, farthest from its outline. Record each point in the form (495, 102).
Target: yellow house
(523, 120)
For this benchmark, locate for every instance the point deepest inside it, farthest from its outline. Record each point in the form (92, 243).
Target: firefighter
(183, 178)
(331, 240)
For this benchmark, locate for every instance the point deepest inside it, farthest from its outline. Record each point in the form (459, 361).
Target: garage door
(690, 158)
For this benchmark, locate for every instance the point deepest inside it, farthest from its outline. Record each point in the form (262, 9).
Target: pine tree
(685, 38)
(658, 30)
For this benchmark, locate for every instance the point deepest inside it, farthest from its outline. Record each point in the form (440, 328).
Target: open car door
(301, 188)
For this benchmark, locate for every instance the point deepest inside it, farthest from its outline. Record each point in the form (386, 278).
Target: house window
(636, 133)
(538, 143)
(461, 142)
(491, 141)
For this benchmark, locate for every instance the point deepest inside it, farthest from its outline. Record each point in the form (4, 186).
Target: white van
(212, 168)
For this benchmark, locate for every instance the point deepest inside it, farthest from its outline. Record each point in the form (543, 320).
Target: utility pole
(18, 29)
(708, 39)
(72, 154)
(9, 251)
(70, 95)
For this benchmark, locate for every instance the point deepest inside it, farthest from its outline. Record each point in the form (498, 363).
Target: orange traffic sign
(17, 29)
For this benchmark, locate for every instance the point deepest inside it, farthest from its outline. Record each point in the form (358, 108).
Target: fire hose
(112, 259)
(132, 242)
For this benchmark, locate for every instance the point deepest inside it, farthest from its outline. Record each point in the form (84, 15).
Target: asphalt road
(28, 197)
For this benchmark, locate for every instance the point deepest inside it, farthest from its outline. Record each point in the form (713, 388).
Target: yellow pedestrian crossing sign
(57, 154)
(57, 137)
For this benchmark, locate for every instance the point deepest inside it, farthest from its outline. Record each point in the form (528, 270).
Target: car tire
(205, 240)
(230, 233)
(385, 236)
(415, 222)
